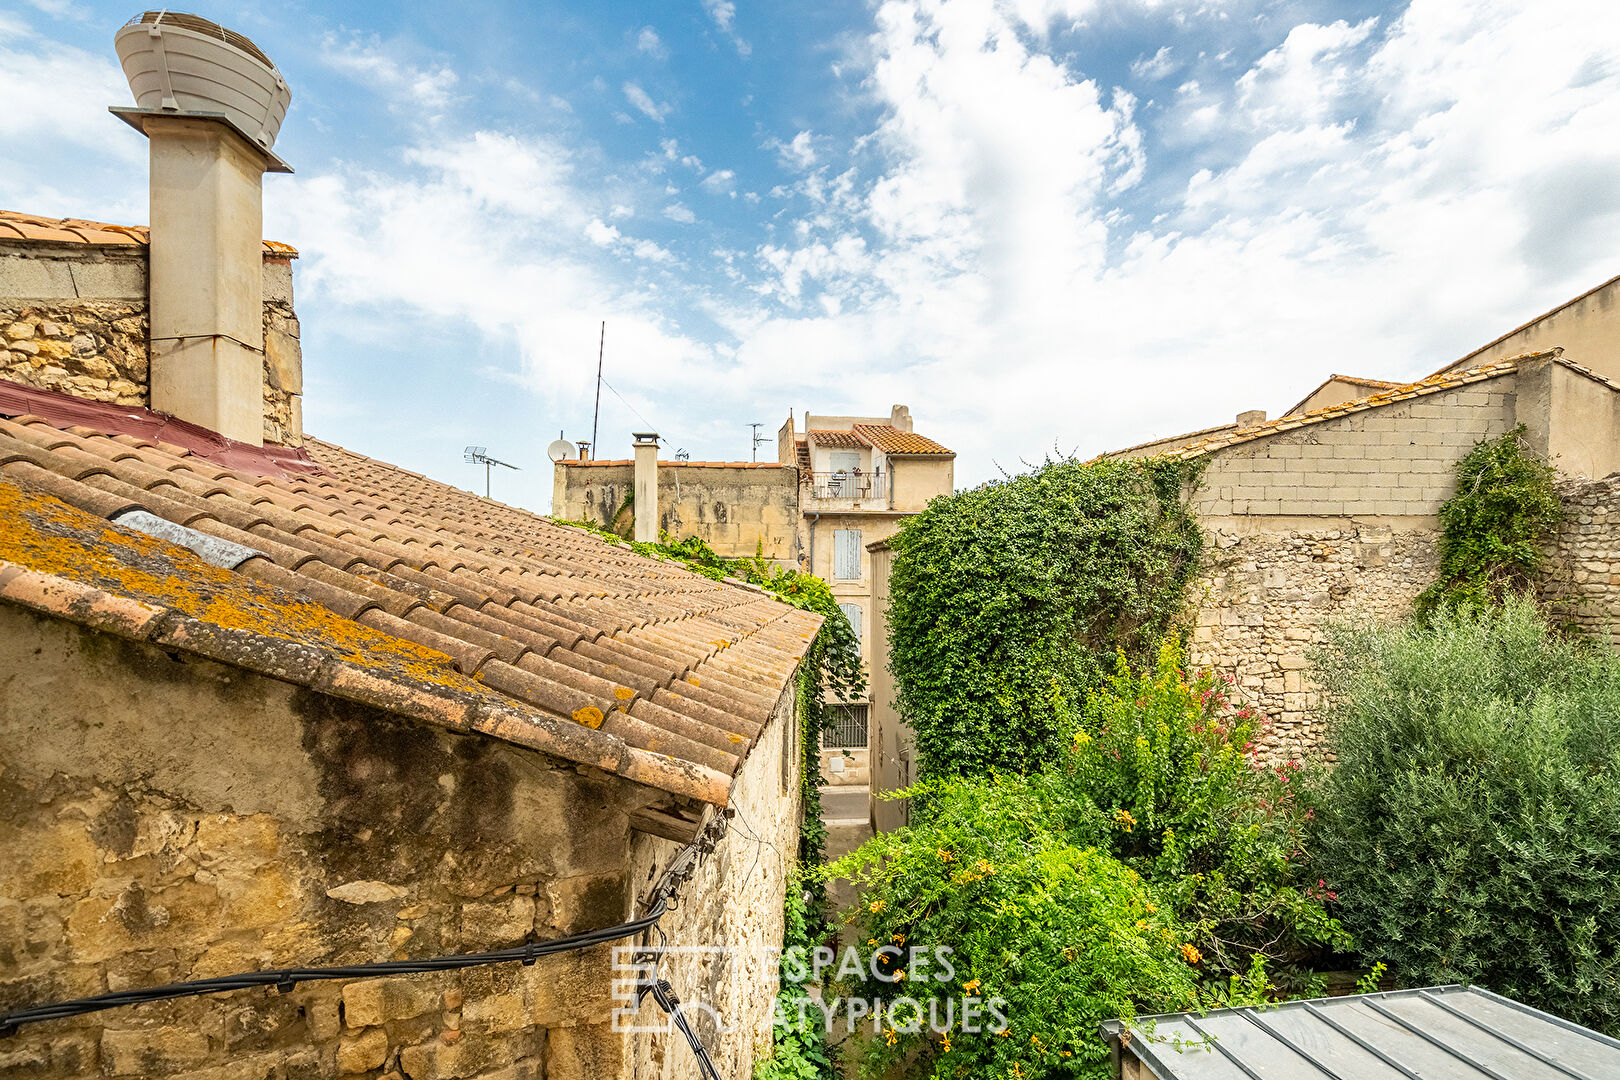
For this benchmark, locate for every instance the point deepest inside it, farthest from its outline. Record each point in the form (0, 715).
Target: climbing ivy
(1009, 601)
(1492, 529)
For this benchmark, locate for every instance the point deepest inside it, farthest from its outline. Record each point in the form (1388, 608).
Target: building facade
(839, 485)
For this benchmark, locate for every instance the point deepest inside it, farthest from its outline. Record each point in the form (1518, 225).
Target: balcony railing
(853, 484)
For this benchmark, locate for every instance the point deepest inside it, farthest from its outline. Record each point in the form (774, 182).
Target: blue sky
(1042, 224)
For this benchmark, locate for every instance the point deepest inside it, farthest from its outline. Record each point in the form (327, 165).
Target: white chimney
(646, 481)
(211, 104)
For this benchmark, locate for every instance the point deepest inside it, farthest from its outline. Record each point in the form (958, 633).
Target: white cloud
(369, 61)
(798, 153)
(719, 182)
(724, 13)
(644, 102)
(678, 212)
(1155, 67)
(648, 42)
(600, 233)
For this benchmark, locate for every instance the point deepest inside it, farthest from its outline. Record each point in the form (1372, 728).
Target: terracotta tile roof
(679, 464)
(374, 583)
(1370, 384)
(890, 440)
(16, 226)
(1434, 384)
(838, 438)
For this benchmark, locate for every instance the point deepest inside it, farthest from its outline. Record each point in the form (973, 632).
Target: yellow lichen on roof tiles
(41, 533)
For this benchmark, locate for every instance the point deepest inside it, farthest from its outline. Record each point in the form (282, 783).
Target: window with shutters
(847, 554)
(852, 612)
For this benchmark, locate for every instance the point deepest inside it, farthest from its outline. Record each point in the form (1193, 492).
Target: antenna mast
(597, 413)
(475, 455)
(758, 438)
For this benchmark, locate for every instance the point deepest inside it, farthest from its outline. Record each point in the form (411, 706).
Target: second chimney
(210, 103)
(646, 486)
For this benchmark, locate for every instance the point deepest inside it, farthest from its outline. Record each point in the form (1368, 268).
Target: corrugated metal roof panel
(1436, 1033)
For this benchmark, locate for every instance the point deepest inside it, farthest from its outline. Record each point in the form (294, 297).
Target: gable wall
(1588, 330)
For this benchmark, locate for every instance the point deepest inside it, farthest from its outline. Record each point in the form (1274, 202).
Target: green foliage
(1065, 935)
(1165, 767)
(799, 1049)
(1472, 823)
(1009, 601)
(1493, 527)
(1154, 865)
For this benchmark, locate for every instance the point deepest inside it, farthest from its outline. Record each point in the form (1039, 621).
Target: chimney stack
(210, 103)
(646, 481)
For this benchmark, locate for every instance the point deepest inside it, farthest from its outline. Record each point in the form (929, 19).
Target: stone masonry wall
(73, 320)
(730, 917)
(1270, 588)
(1581, 579)
(171, 819)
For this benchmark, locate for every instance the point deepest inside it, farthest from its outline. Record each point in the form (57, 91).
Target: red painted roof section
(66, 411)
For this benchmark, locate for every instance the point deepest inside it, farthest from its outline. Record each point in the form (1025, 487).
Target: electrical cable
(659, 901)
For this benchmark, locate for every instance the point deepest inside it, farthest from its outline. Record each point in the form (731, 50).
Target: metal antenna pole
(757, 440)
(596, 415)
(486, 479)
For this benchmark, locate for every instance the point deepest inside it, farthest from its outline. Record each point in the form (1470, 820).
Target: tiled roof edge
(18, 227)
(1434, 384)
(135, 620)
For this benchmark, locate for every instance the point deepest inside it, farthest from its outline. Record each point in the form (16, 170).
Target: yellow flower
(898, 939)
(944, 856)
(1192, 954)
(1141, 924)
(983, 866)
(1124, 819)
(1150, 908)
(871, 941)
(971, 985)
(1006, 1033)
(945, 1042)
(890, 1037)
(900, 976)
(875, 906)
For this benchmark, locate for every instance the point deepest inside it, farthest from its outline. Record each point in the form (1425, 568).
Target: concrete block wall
(1393, 461)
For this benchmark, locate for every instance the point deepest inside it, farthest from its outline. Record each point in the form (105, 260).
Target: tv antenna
(476, 455)
(758, 438)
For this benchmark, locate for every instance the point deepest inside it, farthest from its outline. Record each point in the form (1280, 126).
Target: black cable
(679, 871)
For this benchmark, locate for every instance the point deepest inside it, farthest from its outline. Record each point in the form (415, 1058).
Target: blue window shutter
(852, 612)
(847, 554)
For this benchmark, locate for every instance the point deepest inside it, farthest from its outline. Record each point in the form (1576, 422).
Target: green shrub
(1065, 936)
(1471, 826)
(1009, 601)
(1492, 529)
(1166, 764)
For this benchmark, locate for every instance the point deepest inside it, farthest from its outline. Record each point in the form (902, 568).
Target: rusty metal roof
(16, 226)
(1434, 1033)
(380, 585)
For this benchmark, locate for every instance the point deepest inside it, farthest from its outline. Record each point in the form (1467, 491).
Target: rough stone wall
(1269, 589)
(733, 903)
(73, 320)
(1581, 579)
(93, 349)
(171, 819)
(737, 510)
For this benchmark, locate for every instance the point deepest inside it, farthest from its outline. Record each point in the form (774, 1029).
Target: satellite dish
(560, 449)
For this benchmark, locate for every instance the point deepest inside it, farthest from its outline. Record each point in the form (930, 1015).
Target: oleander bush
(1472, 822)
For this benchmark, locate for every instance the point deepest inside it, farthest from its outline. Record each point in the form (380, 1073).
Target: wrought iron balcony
(850, 484)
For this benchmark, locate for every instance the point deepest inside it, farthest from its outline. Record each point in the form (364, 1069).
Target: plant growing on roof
(1009, 601)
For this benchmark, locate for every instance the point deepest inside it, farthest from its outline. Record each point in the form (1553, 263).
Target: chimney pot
(646, 486)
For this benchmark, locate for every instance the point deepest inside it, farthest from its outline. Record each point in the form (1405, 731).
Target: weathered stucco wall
(728, 928)
(171, 819)
(737, 509)
(1587, 328)
(918, 479)
(73, 319)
